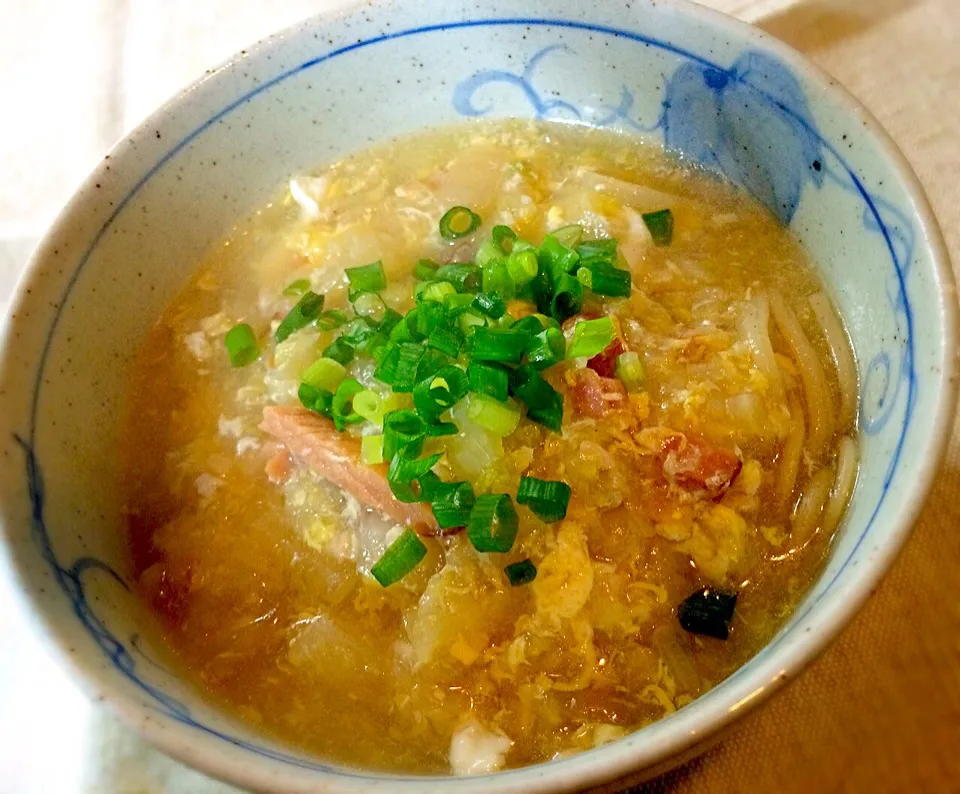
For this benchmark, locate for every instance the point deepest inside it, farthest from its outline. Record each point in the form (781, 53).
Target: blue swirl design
(755, 83)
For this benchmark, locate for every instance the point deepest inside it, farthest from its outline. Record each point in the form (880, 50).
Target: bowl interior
(713, 90)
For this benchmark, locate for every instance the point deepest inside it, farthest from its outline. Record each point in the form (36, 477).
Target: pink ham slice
(314, 442)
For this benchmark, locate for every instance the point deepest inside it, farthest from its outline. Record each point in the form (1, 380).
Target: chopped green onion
(605, 249)
(339, 350)
(569, 236)
(660, 224)
(446, 340)
(530, 325)
(398, 367)
(488, 379)
(330, 319)
(500, 418)
(555, 257)
(368, 278)
(493, 523)
(439, 392)
(403, 430)
(498, 344)
(522, 266)
(391, 317)
(630, 371)
(401, 557)
(498, 281)
(437, 291)
(488, 252)
(425, 319)
(442, 429)
(425, 270)
(503, 237)
(567, 298)
(316, 400)
(464, 276)
(405, 472)
(605, 280)
(458, 221)
(491, 305)
(548, 499)
(708, 612)
(357, 333)
(296, 288)
(369, 405)
(430, 364)
(325, 374)
(342, 407)
(371, 450)
(451, 502)
(544, 403)
(520, 573)
(306, 312)
(546, 348)
(457, 304)
(591, 337)
(370, 305)
(469, 322)
(241, 345)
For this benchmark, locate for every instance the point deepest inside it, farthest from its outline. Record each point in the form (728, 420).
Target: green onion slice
(342, 406)
(500, 418)
(367, 278)
(548, 499)
(296, 288)
(325, 374)
(437, 291)
(630, 371)
(567, 297)
(405, 472)
(556, 257)
(401, 557)
(316, 400)
(242, 347)
(491, 305)
(605, 280)
(425, 270)
(503, 238)
(439, 392)
(488, 379)
(369, 405)
(522, 266)
(498, 344)
(305, 313)
(544, 403)
(370, 306)
(403, 431)
(451, 502)
(520, 573)
(458, 221)
(546, 348)
(660, 224)
(398, 367)
(446, 340)
(330, 319)
(340, 350)
(591, 337)
(570, 236)
(371, 450)
(464, 276)
(492, 526)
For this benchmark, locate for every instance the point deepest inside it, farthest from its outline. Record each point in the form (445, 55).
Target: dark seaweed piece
(708, 612)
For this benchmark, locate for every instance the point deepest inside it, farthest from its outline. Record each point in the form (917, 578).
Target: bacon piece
(595, 396)
(314, 441)
(698, 466)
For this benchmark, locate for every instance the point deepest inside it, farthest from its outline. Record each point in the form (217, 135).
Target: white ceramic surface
(720, 92)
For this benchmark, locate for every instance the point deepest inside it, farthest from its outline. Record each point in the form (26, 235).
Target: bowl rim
(689, 727)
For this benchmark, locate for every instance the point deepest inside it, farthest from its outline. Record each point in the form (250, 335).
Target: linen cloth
(879, 712)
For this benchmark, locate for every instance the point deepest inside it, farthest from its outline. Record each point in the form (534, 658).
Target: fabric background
(878, 712)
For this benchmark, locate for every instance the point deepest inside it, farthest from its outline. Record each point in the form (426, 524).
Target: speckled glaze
(718, 91)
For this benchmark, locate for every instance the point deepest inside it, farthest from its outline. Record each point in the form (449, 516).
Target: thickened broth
(572, 452)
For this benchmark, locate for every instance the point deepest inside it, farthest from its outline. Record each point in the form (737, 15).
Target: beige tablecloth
(878, 712)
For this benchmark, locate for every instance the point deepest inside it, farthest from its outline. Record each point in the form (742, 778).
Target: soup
(485, 447)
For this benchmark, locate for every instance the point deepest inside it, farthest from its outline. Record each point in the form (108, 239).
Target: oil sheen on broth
(709, 449)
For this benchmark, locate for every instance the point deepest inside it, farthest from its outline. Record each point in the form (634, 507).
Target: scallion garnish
(370, 305)
(446, 340)
(491, 305)
(544, 403)
(403, 430)
(242, 347)
(315, 400)
(342, 409)
(325, 374)
(330, 319)
(425, 270)
(570, 236)
(546, 348)
(522, 266)
(296, 288)
(371, 449)
(398, 367)
(437, 291)
(567, 297)
(369, 405)
(451, 502)
(492, 526)
(520, 573)
(630, 371)
(340, 351)
(464, 276)
(500, 418)
(591, 337)
(439, 392)
(367, 278)
(604, 280)
(660, 224)
(404, 473)
(708, 612)
(305, 313)
(488, 379)
(498, 344)
(556, 257)
(548, 499)
(498, 281)
(458, 221)
(401, 557)
(503, 237)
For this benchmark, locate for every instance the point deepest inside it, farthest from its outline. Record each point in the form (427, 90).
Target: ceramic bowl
(720, 92)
